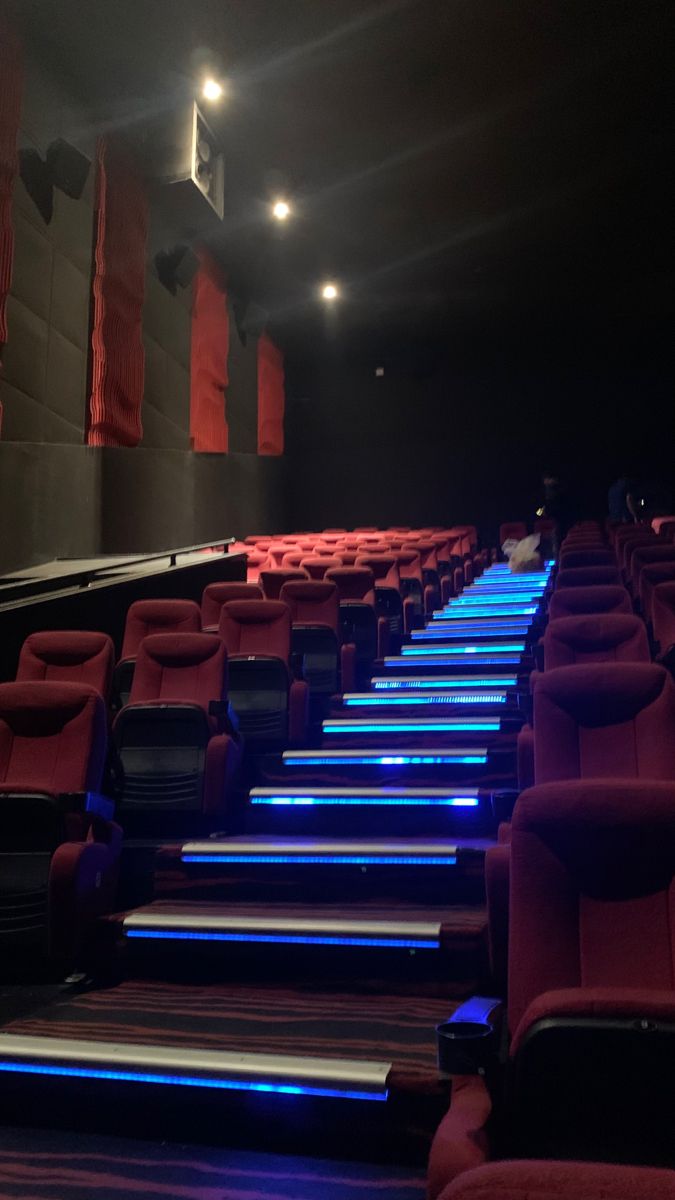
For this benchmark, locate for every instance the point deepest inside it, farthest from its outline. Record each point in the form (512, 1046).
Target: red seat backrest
(645, 555)
(158, 616)
(181, 667)
(592, 865)
(587, 577)
(604, 637)
(384, 568)
(256, 627)
(53, 737)
(532, 1179)
(273, 580)
(601, 598)
(215, 595)
(611, 719)
(353, 583)
(593, 556)
(313, 602)
(71, 656)
(663, 615)
(317, 565)
(409, 564)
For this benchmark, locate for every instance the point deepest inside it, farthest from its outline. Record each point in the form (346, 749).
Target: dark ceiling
(456, 164)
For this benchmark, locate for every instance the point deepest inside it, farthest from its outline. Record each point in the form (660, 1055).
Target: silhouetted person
(622, 500)
(555, 506)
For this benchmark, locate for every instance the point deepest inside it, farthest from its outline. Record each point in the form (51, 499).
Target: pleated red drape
(270, 397)
(208, 359)
(10, 113)
(118, 357)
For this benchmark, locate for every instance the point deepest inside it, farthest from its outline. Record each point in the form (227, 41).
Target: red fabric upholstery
(601, 719)
(69, 656)
(648, 555)
(118, 290)
(10, 111)
(605, 637)
(158, 616)
(316, 566)
(592, 865)
(256, 627)
(384, 568)
(659, 522)
(588, 577)
(82, 887)
(651, 575)
(292, 559)
(512, 529)
(271, 397)
(52, 737)
(626, 548)
(601, 598)
(533, 1180)
(461, 1141)
(663, 615)
(255, 563)
(313, 602)
(525, 757)
(497, 882)
(273, 580)
(208, 359)
(591, 557)
(215, 595)
(353, 583)
(656, 1003)
(409, 564)
(183, 667)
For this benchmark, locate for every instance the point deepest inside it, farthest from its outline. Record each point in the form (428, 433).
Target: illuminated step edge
(433, 683)
(315, 852)
(483, 658)
(411, 725)
(304, 931)
(464, 647)
(405, 698)
(367, 797)
(386, 756)
(287, 1074)
(445, 629)
(484, 610)
(492, 620)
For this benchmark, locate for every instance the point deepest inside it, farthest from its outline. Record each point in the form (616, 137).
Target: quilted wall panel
(166, 338)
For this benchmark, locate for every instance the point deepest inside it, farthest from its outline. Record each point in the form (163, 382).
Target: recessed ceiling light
(212, 90)
(329, 291)
(281, 209)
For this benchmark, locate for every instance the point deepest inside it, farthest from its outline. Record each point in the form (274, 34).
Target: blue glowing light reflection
(184, 935)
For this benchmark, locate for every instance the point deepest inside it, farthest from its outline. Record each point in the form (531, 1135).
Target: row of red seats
(581, 917)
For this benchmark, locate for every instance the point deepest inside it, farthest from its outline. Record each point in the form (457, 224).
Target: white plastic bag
(525, 555)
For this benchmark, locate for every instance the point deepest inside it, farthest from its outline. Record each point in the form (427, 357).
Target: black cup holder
(464, 1047)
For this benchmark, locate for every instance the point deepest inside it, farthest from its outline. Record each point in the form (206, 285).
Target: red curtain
(10, 112)
(270, 397)
(118, 358)
(208, 357)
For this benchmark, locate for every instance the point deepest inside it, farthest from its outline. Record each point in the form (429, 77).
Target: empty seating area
(390, 830)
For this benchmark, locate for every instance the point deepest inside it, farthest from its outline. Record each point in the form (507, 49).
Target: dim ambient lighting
(281, 210)
(212, 90)
(329, 291)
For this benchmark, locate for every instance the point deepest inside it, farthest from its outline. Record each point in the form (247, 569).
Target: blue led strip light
(403, 726)
(449, 629)
(356, 860)
(442, 758)
(497, 648)
(195, 1081)
(283, 939)
(461, 682)
(383, 701)
(483, 610)
(371, 801)
(485, 658)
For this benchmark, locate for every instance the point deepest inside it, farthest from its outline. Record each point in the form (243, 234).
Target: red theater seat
(315, 636)
(270, 706)
(176, 757)
(359, 621)
(316, 565)
(255, 563)
(651, 575)
(400, 613)
(663, 616)
(512, 530)
(144, 618)
(573, 601)
(644, 556)
(601, 719)
(272, 581)
(541, 1180)
(59, 849)
(215, 595)
(595, 556)
(587, 577)
(604, 637)
(69, 656)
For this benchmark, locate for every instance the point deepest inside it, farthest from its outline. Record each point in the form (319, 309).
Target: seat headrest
(255, 612)
(598, 694)
(44, 707)
(598, 598)
(66, 648)
(319, 590)
(589, 632)
(182, 649)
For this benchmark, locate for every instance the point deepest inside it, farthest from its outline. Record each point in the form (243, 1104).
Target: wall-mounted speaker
(181, 150)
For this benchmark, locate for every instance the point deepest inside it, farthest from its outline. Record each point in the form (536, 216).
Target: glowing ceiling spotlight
(330, 292)
(212, 90)
(281, 210)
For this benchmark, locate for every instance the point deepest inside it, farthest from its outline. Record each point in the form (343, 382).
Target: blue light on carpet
(356, 860)
(233, 1085)
(184, 935)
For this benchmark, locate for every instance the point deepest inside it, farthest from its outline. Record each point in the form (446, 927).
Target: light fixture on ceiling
(329, 291)
(281, 210)
(212, 90)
